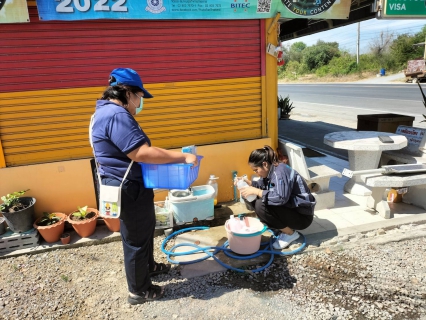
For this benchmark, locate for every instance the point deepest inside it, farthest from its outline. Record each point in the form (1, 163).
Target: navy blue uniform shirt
(116, 133)
(285, 187)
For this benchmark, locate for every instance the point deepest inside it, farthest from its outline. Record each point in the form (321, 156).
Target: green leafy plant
(82, 213)
(424, 100)
(285, 105)
(11, 201)
(48, 219)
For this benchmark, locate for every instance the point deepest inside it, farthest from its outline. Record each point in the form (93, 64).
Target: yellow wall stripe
(52, 125)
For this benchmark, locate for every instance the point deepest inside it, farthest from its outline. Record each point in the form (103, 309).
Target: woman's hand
(191, 159)
(247, 191)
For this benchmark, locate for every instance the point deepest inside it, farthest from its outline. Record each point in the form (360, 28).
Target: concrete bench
(379, 183)
(414, 152)
(316, 175)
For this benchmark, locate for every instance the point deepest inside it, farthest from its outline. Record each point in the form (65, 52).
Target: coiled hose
(210, 252)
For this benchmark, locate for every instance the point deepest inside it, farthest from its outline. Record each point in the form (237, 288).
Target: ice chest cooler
(189, 206)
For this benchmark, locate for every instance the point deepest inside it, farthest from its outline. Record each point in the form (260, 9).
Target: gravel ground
(360, 279)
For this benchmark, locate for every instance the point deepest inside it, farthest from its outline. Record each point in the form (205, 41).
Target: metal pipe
(234, 175)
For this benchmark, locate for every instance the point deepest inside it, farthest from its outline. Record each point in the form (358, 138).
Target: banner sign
(13, 11)
(191, 9)
(403, 9)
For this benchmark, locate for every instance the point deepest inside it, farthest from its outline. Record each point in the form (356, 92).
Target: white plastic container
(191, 206)
(242, 184)
(163, 215)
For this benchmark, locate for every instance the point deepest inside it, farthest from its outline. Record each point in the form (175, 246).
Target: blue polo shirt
(116, 133)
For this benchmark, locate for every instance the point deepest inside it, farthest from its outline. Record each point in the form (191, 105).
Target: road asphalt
(300, 130)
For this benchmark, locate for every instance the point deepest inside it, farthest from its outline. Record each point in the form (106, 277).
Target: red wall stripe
(58, 54)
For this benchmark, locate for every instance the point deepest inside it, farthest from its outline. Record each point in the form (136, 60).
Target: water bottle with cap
(212, 182)
(242, 184)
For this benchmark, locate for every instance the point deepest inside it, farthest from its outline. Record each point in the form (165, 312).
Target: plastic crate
(169, 176)
(163, 215)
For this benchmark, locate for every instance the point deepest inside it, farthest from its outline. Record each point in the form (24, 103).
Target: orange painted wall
(57, 186)
(62, 186)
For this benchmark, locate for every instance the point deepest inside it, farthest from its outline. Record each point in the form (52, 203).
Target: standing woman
(117, 140)
(284, 200)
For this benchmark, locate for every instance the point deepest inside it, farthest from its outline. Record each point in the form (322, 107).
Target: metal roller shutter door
(205, 90)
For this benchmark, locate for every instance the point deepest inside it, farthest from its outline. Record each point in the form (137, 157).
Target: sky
(370, 29)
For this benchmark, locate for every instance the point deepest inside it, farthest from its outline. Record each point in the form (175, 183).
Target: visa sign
(404, 9)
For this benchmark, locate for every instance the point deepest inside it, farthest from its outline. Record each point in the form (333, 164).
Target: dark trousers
(279, 217)
(137, 226)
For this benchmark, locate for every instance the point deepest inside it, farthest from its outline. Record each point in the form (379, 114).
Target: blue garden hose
(210, 252)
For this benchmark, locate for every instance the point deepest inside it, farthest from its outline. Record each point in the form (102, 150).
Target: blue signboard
(190, 9)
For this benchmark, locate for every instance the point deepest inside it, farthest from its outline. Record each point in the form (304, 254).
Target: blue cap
(129, 77)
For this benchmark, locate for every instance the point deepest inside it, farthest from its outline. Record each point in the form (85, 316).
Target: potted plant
(113, 224)
(84, 221)
(51, 226)
(2, 226)
(18, 211)
(65, 238)
(285, 106)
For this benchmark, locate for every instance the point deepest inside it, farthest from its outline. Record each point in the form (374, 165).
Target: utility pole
(357, 47)
(424, 51)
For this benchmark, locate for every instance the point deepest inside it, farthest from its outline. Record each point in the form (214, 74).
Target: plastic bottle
(234, 224)
(242, 184)
(212, 182)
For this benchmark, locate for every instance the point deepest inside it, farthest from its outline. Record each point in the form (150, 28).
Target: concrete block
(11, 241)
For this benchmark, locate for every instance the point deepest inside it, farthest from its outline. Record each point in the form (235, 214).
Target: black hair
(265, 154)
(119, 92)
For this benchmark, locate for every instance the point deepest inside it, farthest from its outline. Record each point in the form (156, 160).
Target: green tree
(343, 65)
(292, 71)
(294, 52)
(402, 48)
(320, 54)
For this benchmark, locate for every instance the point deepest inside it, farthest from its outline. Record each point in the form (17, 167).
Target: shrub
(342, 65)
(322, 71)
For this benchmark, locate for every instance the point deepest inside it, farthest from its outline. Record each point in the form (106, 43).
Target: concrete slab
(213, 237)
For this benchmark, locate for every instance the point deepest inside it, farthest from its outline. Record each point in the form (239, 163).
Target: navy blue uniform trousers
(137, 226)
(279, 217)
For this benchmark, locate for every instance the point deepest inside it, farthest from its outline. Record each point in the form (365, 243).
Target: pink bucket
(246, 243)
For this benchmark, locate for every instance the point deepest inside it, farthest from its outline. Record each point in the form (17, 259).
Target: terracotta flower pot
(85, 228)
(53, 232)
(65, 238)
(113, 224)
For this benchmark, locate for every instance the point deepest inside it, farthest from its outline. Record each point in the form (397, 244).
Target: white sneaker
(284, 240)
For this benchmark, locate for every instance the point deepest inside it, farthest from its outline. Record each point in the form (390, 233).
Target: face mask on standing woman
(139, 109)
